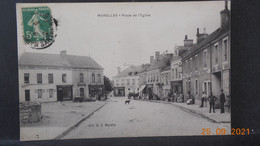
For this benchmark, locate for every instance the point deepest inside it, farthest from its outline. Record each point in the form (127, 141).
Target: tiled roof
(213, 36)
(131, 71)
(167, 68)
(82, 62)
(160, 63)
(58, 60)
(175, 58)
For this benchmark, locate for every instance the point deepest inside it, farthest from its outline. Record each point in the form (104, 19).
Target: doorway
(27, 95)
(216, 83)
(81, 92)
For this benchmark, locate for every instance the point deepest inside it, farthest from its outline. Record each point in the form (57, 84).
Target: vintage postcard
(139, 69)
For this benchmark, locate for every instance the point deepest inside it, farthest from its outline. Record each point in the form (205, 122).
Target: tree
(107, 85)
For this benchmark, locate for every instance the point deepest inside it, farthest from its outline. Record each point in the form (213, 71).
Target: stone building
(57, 77)
(206, 66)
(127, 81)
(151, 77)
(165, 80)
(176, 65)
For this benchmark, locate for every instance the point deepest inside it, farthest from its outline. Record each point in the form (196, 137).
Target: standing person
(203, 98)
(222, 101)
(212, 100)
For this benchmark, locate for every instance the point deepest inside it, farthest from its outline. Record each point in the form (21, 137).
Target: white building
(127, 81)
(165, 80)
(58, 77)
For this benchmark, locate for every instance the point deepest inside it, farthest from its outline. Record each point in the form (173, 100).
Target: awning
(142, 88)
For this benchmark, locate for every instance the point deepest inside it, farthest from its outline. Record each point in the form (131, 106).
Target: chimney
(63, 53)
(201, 36)
(225, 16)
(118, 70)
(188, 42)
(151, 59)
(157, 53)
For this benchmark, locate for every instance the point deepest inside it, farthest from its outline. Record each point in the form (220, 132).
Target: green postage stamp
(38, 27)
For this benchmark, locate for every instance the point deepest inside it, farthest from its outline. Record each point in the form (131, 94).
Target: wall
(30, 112)
(33, 86)
(128, 88)
(176, 64)
(202, 74)
(167, 86)
(153, 74)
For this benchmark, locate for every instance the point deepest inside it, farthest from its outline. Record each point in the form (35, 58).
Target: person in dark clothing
(212, 100)
(150, 96)
(222, 101)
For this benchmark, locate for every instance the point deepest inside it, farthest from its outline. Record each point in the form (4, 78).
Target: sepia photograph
(125, 69)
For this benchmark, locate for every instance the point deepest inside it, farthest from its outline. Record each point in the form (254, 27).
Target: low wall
(30, 112)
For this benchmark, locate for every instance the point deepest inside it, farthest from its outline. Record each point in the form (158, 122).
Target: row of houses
(58, 77)
(198, 67)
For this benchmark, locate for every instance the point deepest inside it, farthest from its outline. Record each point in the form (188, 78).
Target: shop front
(176, 86)
(119, 91)
(95, 90)
(64, 92)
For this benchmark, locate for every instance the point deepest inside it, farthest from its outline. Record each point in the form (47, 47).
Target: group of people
(212, 99)
(178, 97)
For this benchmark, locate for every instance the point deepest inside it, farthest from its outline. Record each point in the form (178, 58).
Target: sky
(115, 41)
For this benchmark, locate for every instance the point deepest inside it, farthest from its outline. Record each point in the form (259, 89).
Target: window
(176, 73)
(166, 79)
(39, 93)
(93, 78)
(122, 81)
(205, 58)
(225, 46)
(196, 62)
(50, 78)
(64, 78)
(51, 93)
(173, 73)
(127, 80)
(196, 87)
(216, 53)
(133, 81)
(180, 73)
(190, 65)
(136, 73)
(99, 78)
(117, 82)
(39, 78)
(81, 77)
(26, 78)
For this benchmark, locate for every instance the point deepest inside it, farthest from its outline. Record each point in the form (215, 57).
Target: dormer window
(130, 73)
(136, 73)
